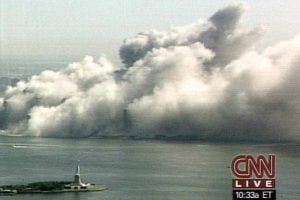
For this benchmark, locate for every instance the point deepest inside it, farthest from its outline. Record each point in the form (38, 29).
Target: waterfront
(142, 169)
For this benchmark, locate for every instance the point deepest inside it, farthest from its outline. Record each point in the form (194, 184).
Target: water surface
(139, 169)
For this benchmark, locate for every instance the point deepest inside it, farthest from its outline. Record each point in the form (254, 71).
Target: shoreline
(64, 191)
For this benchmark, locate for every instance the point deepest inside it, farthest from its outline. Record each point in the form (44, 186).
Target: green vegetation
(37, 186)
(47, 186)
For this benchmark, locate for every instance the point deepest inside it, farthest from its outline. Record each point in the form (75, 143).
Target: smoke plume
(201, 81)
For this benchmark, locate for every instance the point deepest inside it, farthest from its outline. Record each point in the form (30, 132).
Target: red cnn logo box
(253, 172)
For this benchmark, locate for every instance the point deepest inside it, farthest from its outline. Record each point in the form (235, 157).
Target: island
(52, 186)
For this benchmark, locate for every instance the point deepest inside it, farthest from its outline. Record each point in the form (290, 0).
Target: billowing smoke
(201, 81)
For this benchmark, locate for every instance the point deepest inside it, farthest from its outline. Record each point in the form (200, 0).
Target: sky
(71, 29)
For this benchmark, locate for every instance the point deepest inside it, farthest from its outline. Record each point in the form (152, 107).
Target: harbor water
(139, 169)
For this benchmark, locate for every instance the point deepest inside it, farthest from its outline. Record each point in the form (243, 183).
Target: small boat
(19, 146)
(8, 192)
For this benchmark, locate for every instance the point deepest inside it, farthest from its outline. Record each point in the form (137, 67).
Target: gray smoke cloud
(201, 81)
(219, 34)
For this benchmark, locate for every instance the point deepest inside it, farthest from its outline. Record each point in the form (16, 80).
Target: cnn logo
(247, 166)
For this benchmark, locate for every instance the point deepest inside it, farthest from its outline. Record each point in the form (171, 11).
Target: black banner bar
(254, 194)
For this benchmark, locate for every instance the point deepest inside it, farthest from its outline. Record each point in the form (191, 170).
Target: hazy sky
(74, 28)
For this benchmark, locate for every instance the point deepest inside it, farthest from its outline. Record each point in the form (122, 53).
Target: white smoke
(202, 81)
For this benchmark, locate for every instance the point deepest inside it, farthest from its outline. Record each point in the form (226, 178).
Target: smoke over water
(201, 81)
